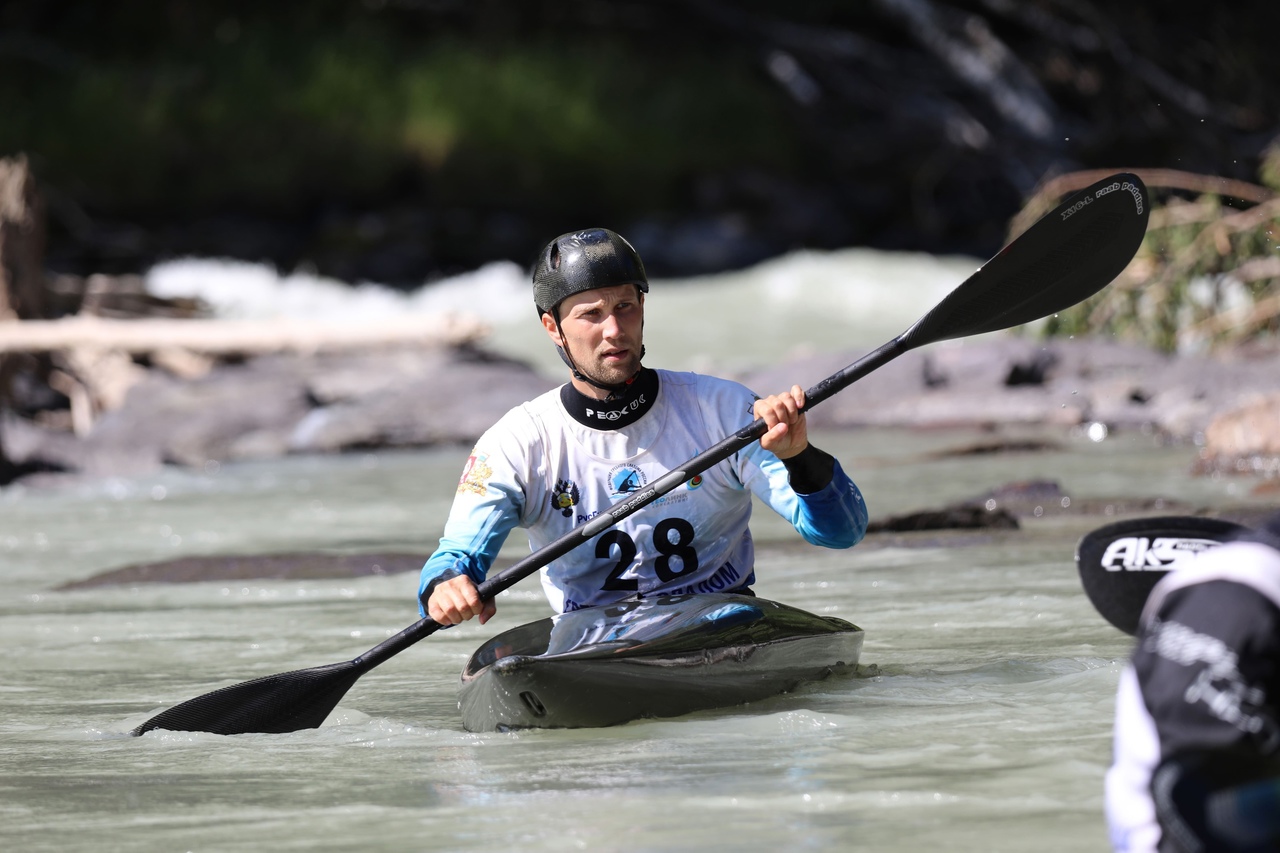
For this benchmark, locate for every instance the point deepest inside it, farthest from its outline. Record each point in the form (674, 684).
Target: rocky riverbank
(415, 396)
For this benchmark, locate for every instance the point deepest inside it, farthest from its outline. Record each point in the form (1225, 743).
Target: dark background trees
(397, 141)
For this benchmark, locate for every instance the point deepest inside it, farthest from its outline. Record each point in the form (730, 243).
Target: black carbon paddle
(1068, 255)
(1121, 562)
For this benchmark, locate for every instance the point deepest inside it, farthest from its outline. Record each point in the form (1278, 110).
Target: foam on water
(807, 301)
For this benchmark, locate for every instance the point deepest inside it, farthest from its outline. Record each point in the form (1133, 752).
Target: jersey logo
(616, 414)
(695, 482)
(625, 479)
(565, 497)
(475, 475)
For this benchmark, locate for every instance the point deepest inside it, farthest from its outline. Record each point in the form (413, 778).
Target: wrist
(810, 470)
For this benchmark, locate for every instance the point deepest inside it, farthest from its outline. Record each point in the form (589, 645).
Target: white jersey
(541, 469)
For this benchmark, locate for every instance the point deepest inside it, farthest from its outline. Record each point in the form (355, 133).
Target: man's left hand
(788, 433)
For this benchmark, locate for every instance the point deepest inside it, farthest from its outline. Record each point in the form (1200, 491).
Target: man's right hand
(456, 600)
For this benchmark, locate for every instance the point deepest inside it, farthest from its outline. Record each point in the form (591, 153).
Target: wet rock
(449, 398)
(1040, 498)
(997, 448)
(963, 517)
(403, 397)
(287, 403)
(1002, 508)
(1004, 380)
(292, 566)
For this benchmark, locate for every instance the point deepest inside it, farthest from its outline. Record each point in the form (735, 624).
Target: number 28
(668, 546)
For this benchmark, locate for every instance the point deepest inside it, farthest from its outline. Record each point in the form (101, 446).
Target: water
(981, 720)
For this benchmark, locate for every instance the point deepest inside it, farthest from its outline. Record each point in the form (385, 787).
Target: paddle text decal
(1077, 207)
(1152, 554)
(1114, 186)
(1136, 193)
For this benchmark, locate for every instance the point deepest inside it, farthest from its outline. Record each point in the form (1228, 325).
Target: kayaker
(1197, 728)
(555, 462)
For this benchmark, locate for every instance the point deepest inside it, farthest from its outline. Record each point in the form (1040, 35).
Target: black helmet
(584, 260)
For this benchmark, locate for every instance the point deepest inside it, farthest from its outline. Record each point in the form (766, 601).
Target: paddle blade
(1067, 256)
(286, 702)
(1120, 563)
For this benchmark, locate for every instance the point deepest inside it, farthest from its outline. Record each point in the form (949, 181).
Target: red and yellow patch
(476, 474)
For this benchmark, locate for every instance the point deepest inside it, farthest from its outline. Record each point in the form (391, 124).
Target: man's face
(602, 331)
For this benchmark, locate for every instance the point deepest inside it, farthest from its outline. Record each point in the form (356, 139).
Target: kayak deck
(659, 657)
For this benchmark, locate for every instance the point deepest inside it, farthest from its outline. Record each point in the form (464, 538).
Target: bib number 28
(672, 539)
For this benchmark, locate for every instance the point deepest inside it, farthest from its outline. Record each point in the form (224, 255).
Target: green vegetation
(1207, 275)
(271, 117)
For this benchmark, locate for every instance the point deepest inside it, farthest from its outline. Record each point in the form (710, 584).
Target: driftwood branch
(234, 337)
(22, 236)
(1054, 189)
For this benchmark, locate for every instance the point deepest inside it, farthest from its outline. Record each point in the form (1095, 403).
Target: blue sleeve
(832, 517)
(477, 527)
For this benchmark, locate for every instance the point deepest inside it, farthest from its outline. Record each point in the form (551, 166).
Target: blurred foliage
(1207, 274)
(222, 103)
(397, 140)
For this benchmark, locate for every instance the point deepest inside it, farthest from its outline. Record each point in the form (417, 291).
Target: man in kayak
(557, 461)
(1197, 736)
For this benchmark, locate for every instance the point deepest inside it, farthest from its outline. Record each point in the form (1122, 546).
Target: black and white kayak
(659, 657)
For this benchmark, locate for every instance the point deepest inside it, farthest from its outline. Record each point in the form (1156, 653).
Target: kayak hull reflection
(659, 657)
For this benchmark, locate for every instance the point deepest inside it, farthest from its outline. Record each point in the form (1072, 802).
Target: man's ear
(549, 323)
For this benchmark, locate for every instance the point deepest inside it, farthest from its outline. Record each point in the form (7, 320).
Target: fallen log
(235, 337)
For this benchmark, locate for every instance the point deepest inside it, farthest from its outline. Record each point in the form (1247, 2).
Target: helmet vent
(553, 258)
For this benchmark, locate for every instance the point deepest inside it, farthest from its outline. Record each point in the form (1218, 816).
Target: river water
(980, 720)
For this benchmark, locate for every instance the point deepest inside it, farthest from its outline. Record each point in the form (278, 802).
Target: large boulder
(1007, 379)
(278, 404)
(1245, 439)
